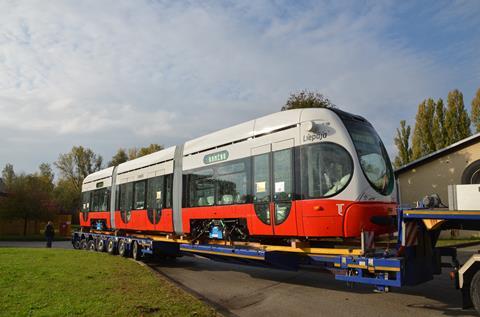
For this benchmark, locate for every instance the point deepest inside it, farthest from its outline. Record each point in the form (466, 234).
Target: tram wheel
(83, 244)
(111, 246)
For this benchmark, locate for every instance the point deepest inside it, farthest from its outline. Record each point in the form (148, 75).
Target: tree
(476, 111)
(8, 174)
(120, 157)
(438, 128)
(67, 197)
(307, 99)
(46, 174)
(77, 164)
(29, 199)
(457, 121)
(134, 152)
(402, 142)
(422, 141)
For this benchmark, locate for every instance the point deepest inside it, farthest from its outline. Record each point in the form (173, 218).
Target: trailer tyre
(91, 245)
(136, 250)
(83, 244)
(111, 246)
(122, 248)
(475, 291)
(101, 245)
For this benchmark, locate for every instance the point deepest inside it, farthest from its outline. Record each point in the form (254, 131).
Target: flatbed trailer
(412, 259)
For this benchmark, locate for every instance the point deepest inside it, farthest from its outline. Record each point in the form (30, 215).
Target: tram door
(273, 189)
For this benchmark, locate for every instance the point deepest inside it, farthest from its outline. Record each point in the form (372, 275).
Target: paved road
(35, 244)
(239, 290)
(253, 291)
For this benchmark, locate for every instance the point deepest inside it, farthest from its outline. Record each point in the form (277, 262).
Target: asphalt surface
(240, 290)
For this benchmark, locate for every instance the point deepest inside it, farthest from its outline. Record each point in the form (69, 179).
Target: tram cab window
(373, 156)
(139, 195)
(326, 169)
(86, 201)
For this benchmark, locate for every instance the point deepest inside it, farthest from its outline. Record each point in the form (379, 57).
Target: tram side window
(326, 170)
(202, 188)
(105, 199)
(261, 178)
(155, 195)
(168, 179)
(139, 195)
(231, 181)
(100, 200)
(86, 201)
(126, 196)
(283, 174)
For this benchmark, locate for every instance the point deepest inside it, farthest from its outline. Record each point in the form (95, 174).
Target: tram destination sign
(215, 157)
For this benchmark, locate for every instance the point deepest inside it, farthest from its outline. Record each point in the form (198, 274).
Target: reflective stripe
(177, 190)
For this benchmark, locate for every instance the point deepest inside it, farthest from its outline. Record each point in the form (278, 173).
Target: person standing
(49, 233)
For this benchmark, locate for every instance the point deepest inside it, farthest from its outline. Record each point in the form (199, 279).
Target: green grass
(54, 282)
(455, 242)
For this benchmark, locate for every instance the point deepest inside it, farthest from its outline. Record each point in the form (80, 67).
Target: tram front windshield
(372, 155)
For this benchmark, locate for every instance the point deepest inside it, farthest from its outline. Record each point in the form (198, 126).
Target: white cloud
(122, 73)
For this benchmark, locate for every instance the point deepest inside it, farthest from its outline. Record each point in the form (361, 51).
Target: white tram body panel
(341, 178)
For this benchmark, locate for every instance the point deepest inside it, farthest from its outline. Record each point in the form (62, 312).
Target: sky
(110, 74)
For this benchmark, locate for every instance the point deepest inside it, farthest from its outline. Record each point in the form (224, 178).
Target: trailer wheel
(111, 246)
(83, 244)
(76, 244)
(475, 291)
(122, 248)
(91, 245)
(136, 250)
(100, 245)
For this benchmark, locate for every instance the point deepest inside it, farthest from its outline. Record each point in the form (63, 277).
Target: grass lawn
(53, 282)
(455, 242)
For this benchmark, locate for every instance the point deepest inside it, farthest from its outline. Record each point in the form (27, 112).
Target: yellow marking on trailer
(222, 254)
(314, 250)
(432, 224)
(336, 264)
(387, 268)
(374, 268)
(357, 266)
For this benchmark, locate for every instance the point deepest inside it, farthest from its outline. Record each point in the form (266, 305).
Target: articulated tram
(303, 174)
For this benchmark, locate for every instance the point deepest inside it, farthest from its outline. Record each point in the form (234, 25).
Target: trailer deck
(412, 260)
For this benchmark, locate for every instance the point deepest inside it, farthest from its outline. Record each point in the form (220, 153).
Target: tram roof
(240, 132)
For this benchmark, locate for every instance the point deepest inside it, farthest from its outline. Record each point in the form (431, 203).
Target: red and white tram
(304, 173)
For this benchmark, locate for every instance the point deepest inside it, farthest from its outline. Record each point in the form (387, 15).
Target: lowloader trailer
(411, 260)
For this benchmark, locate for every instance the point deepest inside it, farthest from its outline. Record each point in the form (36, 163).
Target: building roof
(447, 150)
